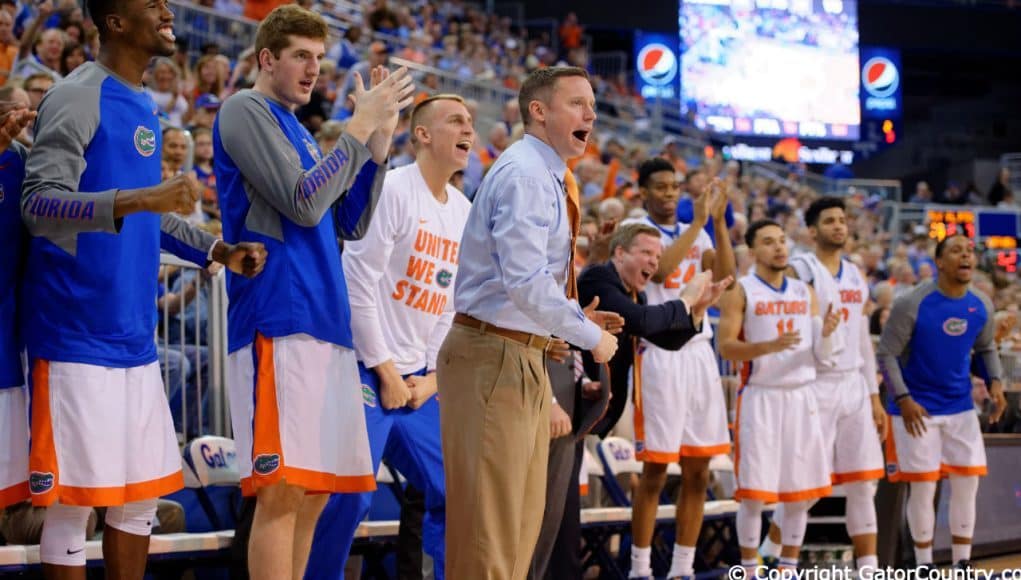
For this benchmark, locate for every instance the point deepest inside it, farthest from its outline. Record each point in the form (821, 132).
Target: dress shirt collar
(553, 161)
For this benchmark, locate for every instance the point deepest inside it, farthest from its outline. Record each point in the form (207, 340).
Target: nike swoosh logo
(5, 166)
(69, 552)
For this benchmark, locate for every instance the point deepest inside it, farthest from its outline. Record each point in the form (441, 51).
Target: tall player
(102, 433)
(680, 413)
(846, 391)
(13, 238)
(400, 278)
(296, 405)
(925, 355)
(773, 322)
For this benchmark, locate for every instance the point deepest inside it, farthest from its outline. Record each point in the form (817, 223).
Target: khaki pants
(494, 398)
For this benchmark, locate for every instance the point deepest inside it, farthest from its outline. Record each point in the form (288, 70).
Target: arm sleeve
(353, 212)
(252, 136)
(985, 344)
(67, 122)
(868, 355)
(438, 335)
(521, 233)
(364, 261)
(822, 346)
(185, 240)
(895, 340)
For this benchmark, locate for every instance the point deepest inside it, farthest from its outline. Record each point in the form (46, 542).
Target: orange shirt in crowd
(259, 9)
(8, 54)
(570, 36)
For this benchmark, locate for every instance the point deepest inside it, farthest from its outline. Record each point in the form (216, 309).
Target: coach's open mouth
(581, 135)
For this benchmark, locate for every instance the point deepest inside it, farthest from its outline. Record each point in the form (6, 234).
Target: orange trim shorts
(296, 407)
(679, 404)
(845, 415)
(100, 436)
(781, 455)
(950, 445)
(14, 449)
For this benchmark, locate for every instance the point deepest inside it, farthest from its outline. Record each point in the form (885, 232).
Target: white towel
(814, 272)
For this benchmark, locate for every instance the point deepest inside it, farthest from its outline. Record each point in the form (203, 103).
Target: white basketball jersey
(768, 312)
(670, 289)
(854, 291)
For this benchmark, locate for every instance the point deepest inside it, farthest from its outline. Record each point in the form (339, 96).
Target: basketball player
(846, 392)
(773, 322)
(296, 404)
(102, 434)
(400, 282)
(925, 355)
(13, 238)
(680, 414)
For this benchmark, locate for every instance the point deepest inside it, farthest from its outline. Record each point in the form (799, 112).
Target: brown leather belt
(529, 340)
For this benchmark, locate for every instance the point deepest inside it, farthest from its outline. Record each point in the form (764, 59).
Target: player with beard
(925, 355)
(102, 434)
(680, 413)
(851, 414)
(772, 322)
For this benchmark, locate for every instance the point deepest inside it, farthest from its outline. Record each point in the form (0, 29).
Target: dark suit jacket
(667, 325)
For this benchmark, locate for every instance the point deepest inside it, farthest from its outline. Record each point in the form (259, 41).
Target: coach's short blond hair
(625, 236)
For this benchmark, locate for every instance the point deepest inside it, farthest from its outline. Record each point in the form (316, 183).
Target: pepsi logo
(657, 64)
(880, 77)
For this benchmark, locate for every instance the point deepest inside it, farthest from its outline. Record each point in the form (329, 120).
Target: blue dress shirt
(516, 248)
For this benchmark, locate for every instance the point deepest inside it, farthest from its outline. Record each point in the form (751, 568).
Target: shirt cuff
(209, 254)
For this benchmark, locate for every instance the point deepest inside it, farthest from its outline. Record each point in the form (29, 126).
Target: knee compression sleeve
(861, 508)
(963, 491)
(749, 523)
(134, 518)
(63, 538)
(921, 513)
(795, 520)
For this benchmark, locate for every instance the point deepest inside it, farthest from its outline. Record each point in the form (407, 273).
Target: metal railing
(204, 26)
(192, 346)
(608, 64)
(1012, 161)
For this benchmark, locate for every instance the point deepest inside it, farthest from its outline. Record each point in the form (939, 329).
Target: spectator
(36, 86)
(206, 107)
(570, 33)
(922, 193)
(378, 54)
(72, 57)
(1001, 187)
(208, 77)
(244, 73)
(165, 90)
(8, 45)
(202, 137)
(48, 48)
(175, 149)
(345, 52)
(328, 134)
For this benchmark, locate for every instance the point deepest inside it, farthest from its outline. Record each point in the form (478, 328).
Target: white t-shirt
(400, 276)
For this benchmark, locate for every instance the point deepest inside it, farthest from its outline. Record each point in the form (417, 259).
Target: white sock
(769, 548)
(750, 567)
(641, 562)
(960, 552)
(683, 561)
(788, 563)
(867, 566)
(923, 555)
